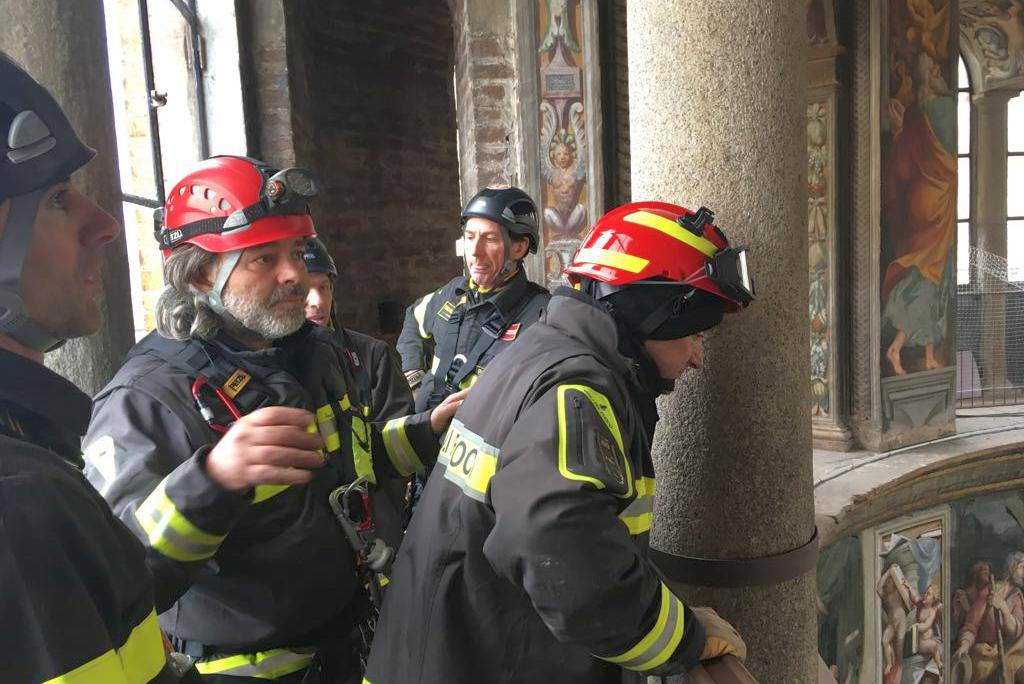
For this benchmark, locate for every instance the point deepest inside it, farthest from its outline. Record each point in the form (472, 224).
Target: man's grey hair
(180, 315)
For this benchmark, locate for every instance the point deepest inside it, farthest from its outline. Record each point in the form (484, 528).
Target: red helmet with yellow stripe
(655, 242)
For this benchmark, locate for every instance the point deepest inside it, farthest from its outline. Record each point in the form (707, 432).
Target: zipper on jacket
(578, 428)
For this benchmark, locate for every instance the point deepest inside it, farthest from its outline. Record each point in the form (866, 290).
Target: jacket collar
(36, 389)
(581, 317)
(504, 298)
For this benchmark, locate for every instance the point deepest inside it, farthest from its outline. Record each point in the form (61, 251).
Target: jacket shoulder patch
(590, 447)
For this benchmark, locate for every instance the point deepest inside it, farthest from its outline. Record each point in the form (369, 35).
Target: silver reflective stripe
(640, 505)
(663, 639)
(194, 550)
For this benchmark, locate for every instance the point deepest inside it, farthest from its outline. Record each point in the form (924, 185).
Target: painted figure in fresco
(992, 635)
(978, 578)
(564, 169)
(929, 620)
(920, 192)
(894, 590)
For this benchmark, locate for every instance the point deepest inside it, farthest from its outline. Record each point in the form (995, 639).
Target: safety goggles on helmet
(283, 193)
(728, 270)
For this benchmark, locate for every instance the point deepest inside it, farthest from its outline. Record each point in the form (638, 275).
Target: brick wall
(372, 112)
(486, 89)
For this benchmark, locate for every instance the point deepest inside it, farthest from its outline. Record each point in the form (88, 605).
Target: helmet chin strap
(14, 243)
(507, 268)
(215, 297)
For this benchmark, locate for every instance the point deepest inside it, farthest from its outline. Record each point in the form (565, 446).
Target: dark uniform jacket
(443, 329)
(76, 598)
(525, 561)
(265, 574)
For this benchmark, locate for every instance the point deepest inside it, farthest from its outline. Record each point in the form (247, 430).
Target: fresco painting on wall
(909, 590)
(818, 117)
(919, 172)
(995, 31)
(563, 140)
(841, 609)
(988, 603)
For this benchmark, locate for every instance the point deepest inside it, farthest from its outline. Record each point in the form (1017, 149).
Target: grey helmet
(38, 148)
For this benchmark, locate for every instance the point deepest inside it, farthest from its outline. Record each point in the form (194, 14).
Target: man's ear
(520, 246)
(202, 280)
(5, 209)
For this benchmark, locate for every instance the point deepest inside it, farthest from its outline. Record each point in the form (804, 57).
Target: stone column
(717, 105)
(989, 219)
(63, 45)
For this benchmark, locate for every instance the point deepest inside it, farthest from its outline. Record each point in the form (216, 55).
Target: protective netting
(990, 333)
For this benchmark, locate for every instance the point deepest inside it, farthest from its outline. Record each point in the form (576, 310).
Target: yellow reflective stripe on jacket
(263, 665)
(419, 312)
(398, 447)
(327, 426)
(469, 461)
(138, 660)
(171, 533)
(607, 257)
(638, 514)
(673, 229)
(267, 491)
(362, 459)
(604, 409)
(660, 643)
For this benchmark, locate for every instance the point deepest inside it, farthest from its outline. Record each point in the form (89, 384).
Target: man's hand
(443, 412)
(722, 638)
(268, 446)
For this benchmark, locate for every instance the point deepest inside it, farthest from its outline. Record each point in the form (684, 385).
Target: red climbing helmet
(230, 203)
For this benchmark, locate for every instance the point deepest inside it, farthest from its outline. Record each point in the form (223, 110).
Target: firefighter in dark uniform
(526, 560)
(379, 364)
(237, 442)
(450, 335)
(76, 603)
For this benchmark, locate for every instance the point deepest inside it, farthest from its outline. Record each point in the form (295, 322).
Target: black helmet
(38, 148)
(510, 207)
(318, 259)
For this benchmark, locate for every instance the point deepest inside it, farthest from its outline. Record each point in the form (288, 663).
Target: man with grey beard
(228, 429)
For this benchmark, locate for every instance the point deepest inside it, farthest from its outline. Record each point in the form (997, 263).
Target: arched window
(963, 202)
(1015, 188)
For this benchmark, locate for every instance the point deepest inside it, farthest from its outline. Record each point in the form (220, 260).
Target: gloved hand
(722, 638)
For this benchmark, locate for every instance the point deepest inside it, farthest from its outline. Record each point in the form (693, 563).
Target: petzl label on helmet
(236, 383)
(469, 461)
(589, 441)
(510, 332)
